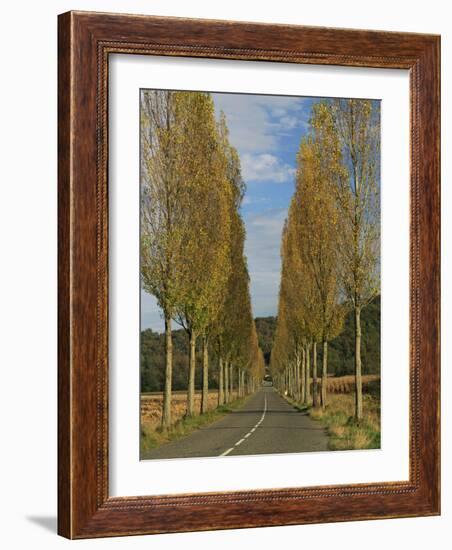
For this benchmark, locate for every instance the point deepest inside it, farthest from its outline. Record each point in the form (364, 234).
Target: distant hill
(341, 349)
(340, 353)
(265, 327)
(153, 361)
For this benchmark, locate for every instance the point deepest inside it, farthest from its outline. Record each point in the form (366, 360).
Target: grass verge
(344, 432)
(153, 438)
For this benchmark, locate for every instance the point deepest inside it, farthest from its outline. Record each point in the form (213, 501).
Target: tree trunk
(308, 374)
(226, 382)
(324, 372)
(315, 401)
(231, 382)
(303, 375)
(166, 416)
(220, 381)
(205, 375)
(297, 376)
(291, 384)
(358, 378)
(191, 375)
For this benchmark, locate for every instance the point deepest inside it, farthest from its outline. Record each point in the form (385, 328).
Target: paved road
(266, 424)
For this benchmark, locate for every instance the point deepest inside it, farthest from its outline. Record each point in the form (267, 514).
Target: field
(346, 384)
(152, 403)
(338, 417)
(151, 409)
(344, 431)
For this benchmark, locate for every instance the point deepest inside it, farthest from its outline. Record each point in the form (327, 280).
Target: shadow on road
(232, 427)
(269, 411)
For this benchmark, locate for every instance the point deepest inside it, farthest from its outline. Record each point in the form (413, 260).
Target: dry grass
(346, 384)
(152, 404)
(153, 436)
(338, 431)
(344, 431)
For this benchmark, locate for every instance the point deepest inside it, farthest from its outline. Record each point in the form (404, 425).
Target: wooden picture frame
(85, 42)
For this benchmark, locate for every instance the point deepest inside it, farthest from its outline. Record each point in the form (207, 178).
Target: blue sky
(266, 130)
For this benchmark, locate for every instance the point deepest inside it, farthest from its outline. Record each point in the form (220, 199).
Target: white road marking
(227, 452)
(252, 429)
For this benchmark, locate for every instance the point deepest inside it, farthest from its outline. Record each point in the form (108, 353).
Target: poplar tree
(192, 242)
(230, 320)
(292, 312)
(204, 251)
(319, 170)
(163, 198)
(358, 126)
(236, 238)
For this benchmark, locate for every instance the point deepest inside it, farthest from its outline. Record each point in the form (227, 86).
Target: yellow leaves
(310, 283)
(359, 199)
(192, 233)
(330, 246)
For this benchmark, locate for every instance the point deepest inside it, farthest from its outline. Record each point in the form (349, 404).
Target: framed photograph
(248, 275)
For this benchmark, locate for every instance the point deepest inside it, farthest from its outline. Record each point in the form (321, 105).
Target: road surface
(266, 424)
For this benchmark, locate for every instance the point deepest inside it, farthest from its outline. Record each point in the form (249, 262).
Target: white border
(129, 476)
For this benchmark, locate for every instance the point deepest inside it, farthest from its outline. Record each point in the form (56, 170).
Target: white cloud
(248, 122)
(265, 167)
(256, 122)
(278, 111)
(151, 316)
(289, 122)
(262, 248)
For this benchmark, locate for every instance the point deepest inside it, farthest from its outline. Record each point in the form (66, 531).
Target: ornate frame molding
(85, 42)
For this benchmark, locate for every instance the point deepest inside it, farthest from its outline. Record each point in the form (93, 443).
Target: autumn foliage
(192, 242)
(330, 247)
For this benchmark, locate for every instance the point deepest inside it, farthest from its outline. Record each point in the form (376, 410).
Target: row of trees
(330, 246)
(192, 240)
